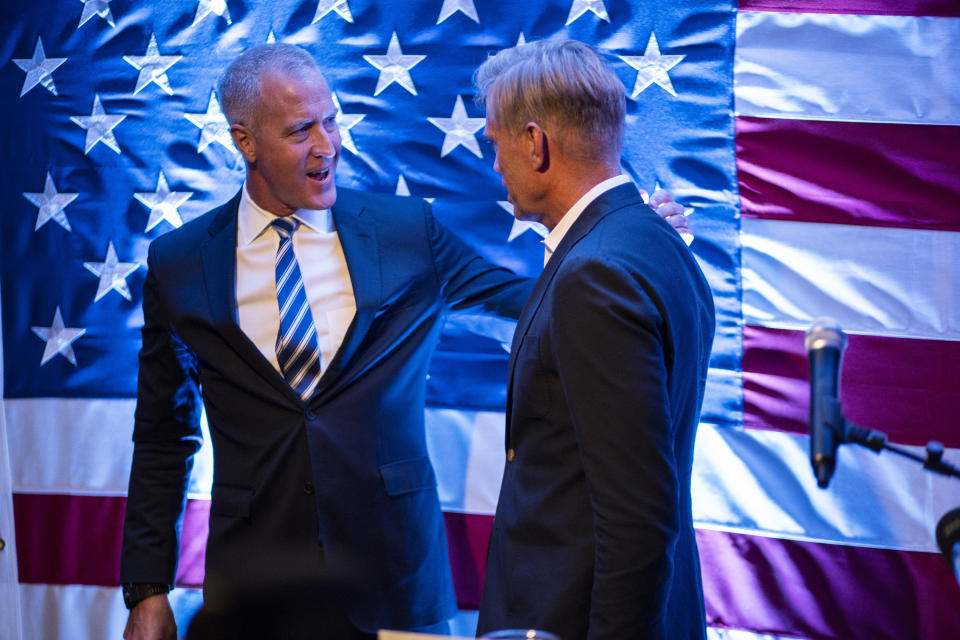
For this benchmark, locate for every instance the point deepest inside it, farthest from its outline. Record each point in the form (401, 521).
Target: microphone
(948, 539)
(824, 343)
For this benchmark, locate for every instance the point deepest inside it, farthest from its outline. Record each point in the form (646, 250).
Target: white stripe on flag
(753, 481)
(467, 451)
(847, 67)
(716, 633)
(81, 612)
(760, 482)
(81, 446)
(883, 281)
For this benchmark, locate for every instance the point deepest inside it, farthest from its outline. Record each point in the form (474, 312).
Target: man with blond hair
(593, 536)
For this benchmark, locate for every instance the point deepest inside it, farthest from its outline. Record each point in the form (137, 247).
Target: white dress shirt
(322, 265)
(552, 241)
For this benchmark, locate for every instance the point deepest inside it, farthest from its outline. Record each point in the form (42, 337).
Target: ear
(245, 141)
(538, 145)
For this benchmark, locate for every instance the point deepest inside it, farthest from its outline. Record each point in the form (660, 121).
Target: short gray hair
(556, 83)
(239, 86)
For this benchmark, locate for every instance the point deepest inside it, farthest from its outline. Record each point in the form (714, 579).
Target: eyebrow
(296, 126)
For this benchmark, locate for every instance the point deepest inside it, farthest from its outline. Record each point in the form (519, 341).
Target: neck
(261, 195)
(571, 185)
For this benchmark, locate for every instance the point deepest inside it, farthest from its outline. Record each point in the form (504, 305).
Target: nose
(496, 163)
(322, 145)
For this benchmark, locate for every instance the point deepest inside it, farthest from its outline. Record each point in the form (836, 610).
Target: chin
(522, 214)
(326, 199)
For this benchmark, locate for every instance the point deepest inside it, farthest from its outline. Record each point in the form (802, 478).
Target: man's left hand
(662, 202)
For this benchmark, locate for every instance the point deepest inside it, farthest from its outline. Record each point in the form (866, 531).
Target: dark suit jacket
(346, 472)
(593, 536)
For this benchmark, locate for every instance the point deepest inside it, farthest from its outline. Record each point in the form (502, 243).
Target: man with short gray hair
(593, 536)
(306, 314)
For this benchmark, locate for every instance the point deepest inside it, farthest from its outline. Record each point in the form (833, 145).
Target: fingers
(659, 197)
(668, 209)
(662, 202)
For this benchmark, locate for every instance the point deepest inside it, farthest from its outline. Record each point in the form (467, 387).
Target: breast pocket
(531, 392)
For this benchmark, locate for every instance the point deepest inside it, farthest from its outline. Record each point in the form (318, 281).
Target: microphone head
(948, 534)
(825, 333)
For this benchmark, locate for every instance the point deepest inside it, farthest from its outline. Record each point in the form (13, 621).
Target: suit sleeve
(607, 334)
(467, 279)
(166, 435)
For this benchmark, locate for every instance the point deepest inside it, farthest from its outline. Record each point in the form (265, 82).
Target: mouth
(319, 175)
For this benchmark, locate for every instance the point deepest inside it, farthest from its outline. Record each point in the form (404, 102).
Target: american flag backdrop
(814, 143)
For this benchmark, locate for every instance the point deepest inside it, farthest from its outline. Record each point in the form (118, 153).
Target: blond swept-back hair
(239, 85)
(562, 85)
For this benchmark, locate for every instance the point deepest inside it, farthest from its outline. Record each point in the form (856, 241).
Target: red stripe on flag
(885, 175)
(66, 539)
(193, 543)
(903, 387)
(750, 582)
(825, 591)
(467, 538)
(75, 539)
(945, 8)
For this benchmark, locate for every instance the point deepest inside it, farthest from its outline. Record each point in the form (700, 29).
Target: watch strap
(133, 594)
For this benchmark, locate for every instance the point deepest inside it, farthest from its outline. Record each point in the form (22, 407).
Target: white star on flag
(96, 8)
(51, 204)
(206, 7)
(402, 188)
(580, 7)
(652, 67)
(345, 122)
(520, 40)
(271, 37)
(112, 273)
(39, 69)
(59, 339)
(153, 67)
(341, 8)
(459, 130)
(213, 126)
(99, 126)
(163, 203)
(450, 7)
(520, 226)
(394, 66)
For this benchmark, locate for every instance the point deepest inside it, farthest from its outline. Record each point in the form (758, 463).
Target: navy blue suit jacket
(593, 536)
(348, 470)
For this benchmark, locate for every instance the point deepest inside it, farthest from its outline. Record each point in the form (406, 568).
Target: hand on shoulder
(662, 202)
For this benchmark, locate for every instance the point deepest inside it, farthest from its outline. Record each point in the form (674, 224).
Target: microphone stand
(846, 431)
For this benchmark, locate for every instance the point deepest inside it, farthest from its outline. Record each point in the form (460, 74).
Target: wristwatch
(133, 594)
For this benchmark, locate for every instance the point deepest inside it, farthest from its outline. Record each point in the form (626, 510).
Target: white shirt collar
(253, 220)
(552, 241)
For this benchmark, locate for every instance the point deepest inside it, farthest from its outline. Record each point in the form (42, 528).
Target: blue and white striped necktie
(298, 352)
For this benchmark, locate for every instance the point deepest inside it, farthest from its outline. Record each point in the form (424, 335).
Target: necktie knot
(285, 226)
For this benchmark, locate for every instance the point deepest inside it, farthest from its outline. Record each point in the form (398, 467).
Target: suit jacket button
(511, 454)
(308, 488)
(311, 414)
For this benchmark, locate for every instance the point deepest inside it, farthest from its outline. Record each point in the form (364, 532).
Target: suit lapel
(219, 259)
(605, 203)
(358, 238)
